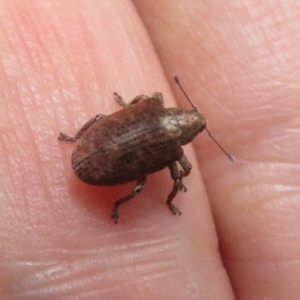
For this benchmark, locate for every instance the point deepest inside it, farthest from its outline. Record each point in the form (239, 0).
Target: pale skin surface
(238, 236)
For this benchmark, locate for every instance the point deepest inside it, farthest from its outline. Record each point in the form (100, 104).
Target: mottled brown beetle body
(143, 138)
(135, 142)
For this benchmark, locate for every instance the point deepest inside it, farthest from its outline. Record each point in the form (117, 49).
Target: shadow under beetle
(143, 138)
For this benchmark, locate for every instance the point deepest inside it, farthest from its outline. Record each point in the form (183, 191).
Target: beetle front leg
(85, 127)
(186, 166)
(138, 188)
(178, 184)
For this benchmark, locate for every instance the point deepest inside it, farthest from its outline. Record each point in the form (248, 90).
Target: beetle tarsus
(66, 138)
(174, 209)
(115, 213)
(120, 100)
(182, 187)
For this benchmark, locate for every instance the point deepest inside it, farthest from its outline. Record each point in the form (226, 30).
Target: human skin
(238, 236)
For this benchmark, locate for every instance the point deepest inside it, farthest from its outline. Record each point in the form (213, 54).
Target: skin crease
(238, 237)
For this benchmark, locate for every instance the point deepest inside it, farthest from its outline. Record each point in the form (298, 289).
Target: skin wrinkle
(25, 120)
(51, 65)
(148, 268)
(92, 260)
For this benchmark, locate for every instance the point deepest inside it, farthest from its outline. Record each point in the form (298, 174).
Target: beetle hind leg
(138, 188)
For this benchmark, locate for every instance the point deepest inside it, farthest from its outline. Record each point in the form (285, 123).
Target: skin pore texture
(238, 236)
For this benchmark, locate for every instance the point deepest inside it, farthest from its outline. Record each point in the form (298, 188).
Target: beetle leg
(186, 166)
(67, 138)
(120, 100)
(178, 184)
(124, 104)
(138, 188)
(175, 174)
(138, 99)
(159, 96)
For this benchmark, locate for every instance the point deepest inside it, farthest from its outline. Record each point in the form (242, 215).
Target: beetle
(128, 145)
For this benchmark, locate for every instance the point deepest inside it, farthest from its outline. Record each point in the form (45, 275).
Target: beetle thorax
(191, 123)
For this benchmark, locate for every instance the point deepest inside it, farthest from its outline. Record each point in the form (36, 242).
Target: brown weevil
(128, 145)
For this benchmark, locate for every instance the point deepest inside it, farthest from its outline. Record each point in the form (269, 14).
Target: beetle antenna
(230, 157)
(184, 93)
